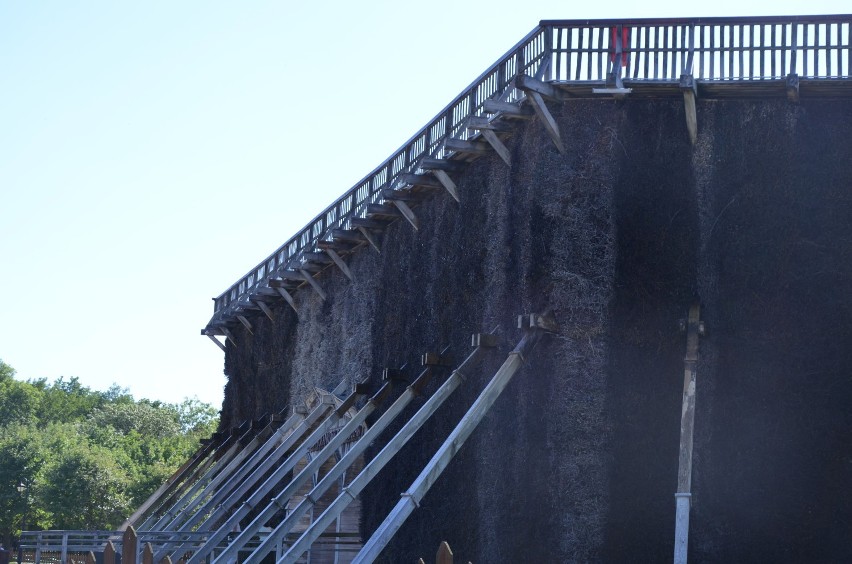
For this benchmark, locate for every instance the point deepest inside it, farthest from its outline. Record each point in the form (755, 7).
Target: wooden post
(129, 546)
(90, 557)
(683, 497)
(109, 553)
(166, 559)
(445, 555)
(148, 554)
(690, 93)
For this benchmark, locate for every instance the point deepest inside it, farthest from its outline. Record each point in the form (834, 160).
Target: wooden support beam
(547, 120)
(498, 146)
(314, 284)
(246, 324)
(346, 234)
(382, 209)
(530, 84)
(486, 340)
(435, 359)
(215, 340)
(508, 109)
(407, 214)
(460, 146)
(320, 258)
(389, 194)
(480, 123)
(265, 309)
(340, 264)
(792, 82)
(447, 182)
(443, 164)
(617, 92)
(369, 223)
(287, 298)
(690, 93)
(228, 334)
(424, 180)
(370, 239)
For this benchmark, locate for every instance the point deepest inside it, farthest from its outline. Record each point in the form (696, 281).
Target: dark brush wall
(578, 459)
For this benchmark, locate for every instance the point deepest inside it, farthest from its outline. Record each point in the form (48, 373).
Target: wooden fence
(444, 555)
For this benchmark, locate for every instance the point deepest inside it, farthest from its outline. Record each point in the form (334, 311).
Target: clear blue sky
(151, 153)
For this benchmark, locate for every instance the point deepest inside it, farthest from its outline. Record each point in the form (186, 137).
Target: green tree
(88, 457)
(86, 489)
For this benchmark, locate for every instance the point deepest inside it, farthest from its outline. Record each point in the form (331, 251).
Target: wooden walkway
(791, 57)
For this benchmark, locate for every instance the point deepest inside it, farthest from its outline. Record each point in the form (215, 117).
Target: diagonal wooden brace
(690, 93)
(314, 284)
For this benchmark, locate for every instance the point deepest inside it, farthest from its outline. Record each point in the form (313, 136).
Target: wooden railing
(719, 49)
(572, 51)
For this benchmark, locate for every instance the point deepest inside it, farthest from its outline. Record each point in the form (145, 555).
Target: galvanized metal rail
(723, 56)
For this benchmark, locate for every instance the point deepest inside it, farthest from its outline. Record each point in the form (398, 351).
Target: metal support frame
(683, 496)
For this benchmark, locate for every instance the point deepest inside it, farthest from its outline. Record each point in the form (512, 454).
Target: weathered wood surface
(129, 546)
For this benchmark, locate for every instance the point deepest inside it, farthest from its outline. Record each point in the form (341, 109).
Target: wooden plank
(508, 109)
(265, 309)
(389, 194)
(246, 324)
(382, 209)
(530, 84)
(369, 237)
(320, 258)
(447, 182)
(460, 146)
(229, 336)
(793, 86)
(368, 223)
(109, 553)
(287, 298)
(218, 344)
(425, 180)
(129, 545)
(340, 264)
(498, 146)
(547, 120)
(407, 214)
(346, 235)
(314, 284)
(148, 554)
(690, 92)
(479, 123)
(443, 164)
(444, 555)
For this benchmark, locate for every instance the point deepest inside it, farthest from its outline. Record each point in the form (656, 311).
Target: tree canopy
(86, 458)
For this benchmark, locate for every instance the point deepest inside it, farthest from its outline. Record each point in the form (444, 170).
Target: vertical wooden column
(129, 544)
(109, 553)
(683, 497)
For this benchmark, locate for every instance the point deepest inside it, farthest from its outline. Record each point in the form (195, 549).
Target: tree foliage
(87, 458)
